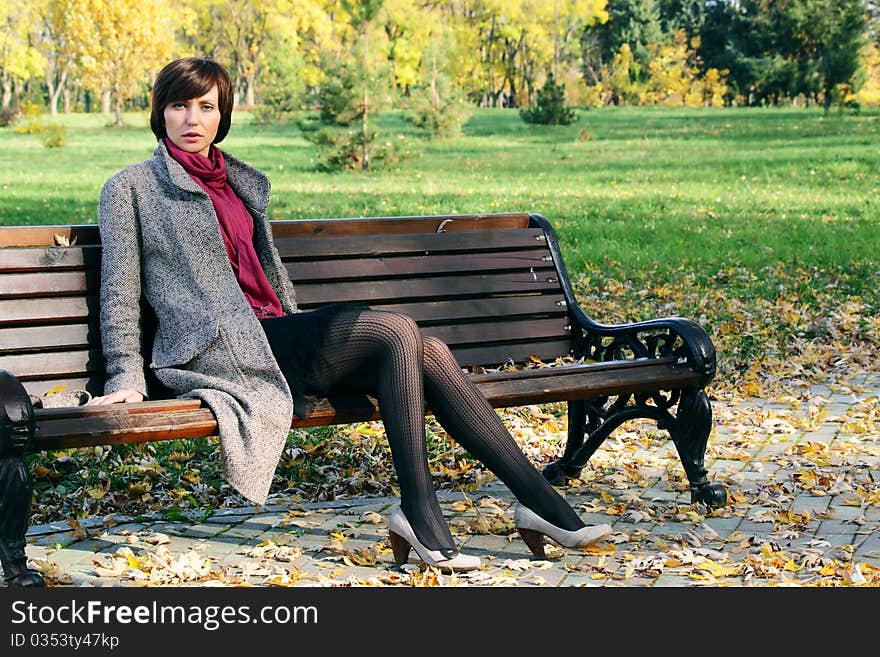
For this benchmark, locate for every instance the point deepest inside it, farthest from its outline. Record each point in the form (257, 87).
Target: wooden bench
(493, 287)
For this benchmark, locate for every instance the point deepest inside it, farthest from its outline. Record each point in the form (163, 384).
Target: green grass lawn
(638, 187)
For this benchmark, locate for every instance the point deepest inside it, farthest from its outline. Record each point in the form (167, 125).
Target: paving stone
(869, 547)
(872, 513)
(811, 503)
(48, 528)
(724, 527)
(245, 531)
(673, 580)
(204, 531)
(829, 527)
(580, 580)
(483, 545)
(77, 553)
(545, 577)
(841, 539)
(844, 512)
(59, 539)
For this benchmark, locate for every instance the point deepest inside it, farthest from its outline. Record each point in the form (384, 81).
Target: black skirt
(296, 341)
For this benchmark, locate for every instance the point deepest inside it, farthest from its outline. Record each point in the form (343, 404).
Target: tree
(550, 108)
(869, 91)
(58, 50)
(117, 51)
(362, 13)
(635, 23)
(244, 32)
(19, 58)
(834, 35)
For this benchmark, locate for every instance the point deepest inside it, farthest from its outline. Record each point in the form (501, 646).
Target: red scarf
(236, 227)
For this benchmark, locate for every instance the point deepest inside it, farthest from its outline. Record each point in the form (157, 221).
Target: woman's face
(192, 124)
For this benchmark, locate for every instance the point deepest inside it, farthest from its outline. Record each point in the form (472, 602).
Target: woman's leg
(472, 422)
(389, 347)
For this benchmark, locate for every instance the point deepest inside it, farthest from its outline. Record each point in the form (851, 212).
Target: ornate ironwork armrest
(677, 337)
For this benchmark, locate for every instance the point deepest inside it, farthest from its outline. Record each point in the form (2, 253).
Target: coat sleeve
(120, 287)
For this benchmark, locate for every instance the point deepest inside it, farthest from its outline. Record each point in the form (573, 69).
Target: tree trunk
(53, 95)
(6, 83)
(118, 122)
(105, 101)
(55, 90)
(435, 95)
(365, 162)
(66, 97)
(249, 92)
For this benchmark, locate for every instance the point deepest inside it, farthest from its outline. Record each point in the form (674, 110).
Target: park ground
(760, 224)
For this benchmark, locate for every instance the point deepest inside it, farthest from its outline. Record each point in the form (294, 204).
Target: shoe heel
(534, 540)
(400, 546)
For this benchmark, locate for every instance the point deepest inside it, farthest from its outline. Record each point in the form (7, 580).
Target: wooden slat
(650, 376)
(427, 288)
(55, 258)
(383, 245)
(72, 336)
(519, 352)
(125, 428)
(88, 233)
(470, 309)
(354, 268)
(46, 284)
(116, 410)
(94, 384)
(504, 329)
(550, 371)
(45, 235)
(53, 364)
(391, 225)
(60, 309)
(46, 337)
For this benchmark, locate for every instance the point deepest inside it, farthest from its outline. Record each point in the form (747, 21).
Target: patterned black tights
(384, 355)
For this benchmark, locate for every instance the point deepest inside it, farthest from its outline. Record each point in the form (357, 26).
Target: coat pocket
(181, 344)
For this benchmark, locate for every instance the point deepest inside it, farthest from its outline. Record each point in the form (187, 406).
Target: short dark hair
(187, 78)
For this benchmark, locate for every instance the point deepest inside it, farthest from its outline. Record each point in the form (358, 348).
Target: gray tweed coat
(161, 238)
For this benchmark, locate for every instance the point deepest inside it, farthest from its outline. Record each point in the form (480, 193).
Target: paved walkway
(803, 476)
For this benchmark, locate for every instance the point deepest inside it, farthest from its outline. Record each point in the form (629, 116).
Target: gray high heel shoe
(533, 528)
(403, 537)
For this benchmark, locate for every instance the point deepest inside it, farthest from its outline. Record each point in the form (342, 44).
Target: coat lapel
(251, 186)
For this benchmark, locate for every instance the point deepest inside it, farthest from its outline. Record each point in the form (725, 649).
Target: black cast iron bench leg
(16, 489)
(591, 421)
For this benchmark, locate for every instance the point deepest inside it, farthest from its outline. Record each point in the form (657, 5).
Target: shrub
(28, 121)
(53, 135)
(441, 121)
(339, 96)
(550, 108)
(9, 115)
(340, 150)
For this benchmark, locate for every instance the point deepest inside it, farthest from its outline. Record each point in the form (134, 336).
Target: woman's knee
(399, 330)
(437, 352)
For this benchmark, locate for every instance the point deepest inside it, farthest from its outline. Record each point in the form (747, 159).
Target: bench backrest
(485, 284)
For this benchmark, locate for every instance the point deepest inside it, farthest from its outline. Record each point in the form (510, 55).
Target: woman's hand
(126, 396)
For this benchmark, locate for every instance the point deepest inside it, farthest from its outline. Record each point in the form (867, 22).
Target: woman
(187, 232)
